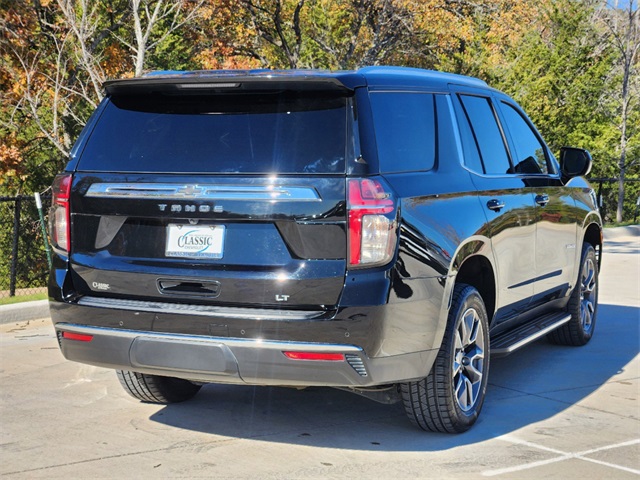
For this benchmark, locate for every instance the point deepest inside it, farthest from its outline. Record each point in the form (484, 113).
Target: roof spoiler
(226, 80)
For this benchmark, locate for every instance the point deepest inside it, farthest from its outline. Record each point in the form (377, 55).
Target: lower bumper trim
(238, 361)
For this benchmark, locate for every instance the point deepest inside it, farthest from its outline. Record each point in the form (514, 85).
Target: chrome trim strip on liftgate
(204, 310)
(178, 191)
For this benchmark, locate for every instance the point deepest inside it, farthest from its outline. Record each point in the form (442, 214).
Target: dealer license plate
(195, 241)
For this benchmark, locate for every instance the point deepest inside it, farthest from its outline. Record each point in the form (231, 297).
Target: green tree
(561, 73)
(621, 100)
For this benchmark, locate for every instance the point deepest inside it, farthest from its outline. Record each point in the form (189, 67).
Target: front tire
(450, 398)
(157, 389)
(583, 304)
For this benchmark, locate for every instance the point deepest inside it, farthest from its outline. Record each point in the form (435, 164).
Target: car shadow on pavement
(529, 386)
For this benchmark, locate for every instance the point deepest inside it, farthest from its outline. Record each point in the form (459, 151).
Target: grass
(23, 298)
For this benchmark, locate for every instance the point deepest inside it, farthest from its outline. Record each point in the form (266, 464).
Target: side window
(529, 156)
(468, 139)
(487, 135)
(405, 131)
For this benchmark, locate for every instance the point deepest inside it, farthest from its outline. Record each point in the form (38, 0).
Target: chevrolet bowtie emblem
(190, 190)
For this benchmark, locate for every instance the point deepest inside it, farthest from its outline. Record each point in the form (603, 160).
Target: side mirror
(574, 162)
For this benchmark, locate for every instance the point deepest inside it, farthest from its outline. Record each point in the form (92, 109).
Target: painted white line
(612, 465)
(563, 456)
(509, 438)
(609, 447)
(525, 466)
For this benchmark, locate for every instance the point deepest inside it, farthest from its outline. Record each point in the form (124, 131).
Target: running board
(508, 342)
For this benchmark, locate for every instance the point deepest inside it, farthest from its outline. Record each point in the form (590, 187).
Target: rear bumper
(236, 361)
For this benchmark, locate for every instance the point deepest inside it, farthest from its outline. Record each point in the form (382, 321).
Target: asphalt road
(551, 412)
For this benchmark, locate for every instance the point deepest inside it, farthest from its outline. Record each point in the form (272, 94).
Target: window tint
(241, 133)
(487, 134)
(529, 156)
(405, 131)
(469, 145)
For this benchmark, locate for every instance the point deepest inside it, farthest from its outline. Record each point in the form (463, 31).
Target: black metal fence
(23, 259)
(23, 255)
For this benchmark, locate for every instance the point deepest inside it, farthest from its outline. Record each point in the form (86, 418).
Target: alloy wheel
(588, 291)
(468, 360)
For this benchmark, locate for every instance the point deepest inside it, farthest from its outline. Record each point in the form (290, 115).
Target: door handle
(542, 200)
(191, 288)
(495, 205)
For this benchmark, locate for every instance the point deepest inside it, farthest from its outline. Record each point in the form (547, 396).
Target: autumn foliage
(564, 60)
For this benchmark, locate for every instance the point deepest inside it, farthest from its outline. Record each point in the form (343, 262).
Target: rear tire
(450, 398)
(583, 304)
(157, 389)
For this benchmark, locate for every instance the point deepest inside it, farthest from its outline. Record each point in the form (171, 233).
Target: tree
(56, 55)
(325, 34)
(557, 71)
(148, 17)
(623, 30)
(35, 119)
(571, 63)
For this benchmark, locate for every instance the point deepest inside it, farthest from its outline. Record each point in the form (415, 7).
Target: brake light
(372, 224)
(59, 218)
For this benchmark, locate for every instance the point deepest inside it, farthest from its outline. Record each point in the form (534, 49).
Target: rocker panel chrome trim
(532, 337)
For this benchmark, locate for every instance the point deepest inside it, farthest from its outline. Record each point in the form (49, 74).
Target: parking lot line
(563, 456)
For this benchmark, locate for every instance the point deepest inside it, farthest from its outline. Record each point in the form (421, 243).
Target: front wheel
(157, 389)
(450, 398)
(583, 304)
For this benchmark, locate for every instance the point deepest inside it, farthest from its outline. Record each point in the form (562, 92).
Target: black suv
(381, 230)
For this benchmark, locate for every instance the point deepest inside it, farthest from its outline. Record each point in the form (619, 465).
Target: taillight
(59, 220)
(372, 222)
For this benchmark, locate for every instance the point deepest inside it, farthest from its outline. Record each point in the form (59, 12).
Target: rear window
(233, 133)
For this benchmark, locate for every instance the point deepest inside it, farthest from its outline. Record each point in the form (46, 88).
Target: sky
(623, 4)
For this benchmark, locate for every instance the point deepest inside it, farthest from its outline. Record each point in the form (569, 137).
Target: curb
(22, 312)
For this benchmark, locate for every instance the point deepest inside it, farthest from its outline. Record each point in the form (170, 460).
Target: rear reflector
(327, 357)
(77, 336)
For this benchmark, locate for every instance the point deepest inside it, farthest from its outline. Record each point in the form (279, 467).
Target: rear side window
(487, 135)
(232, 133)
(405, 131)
(469, 145)
(529, 155)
